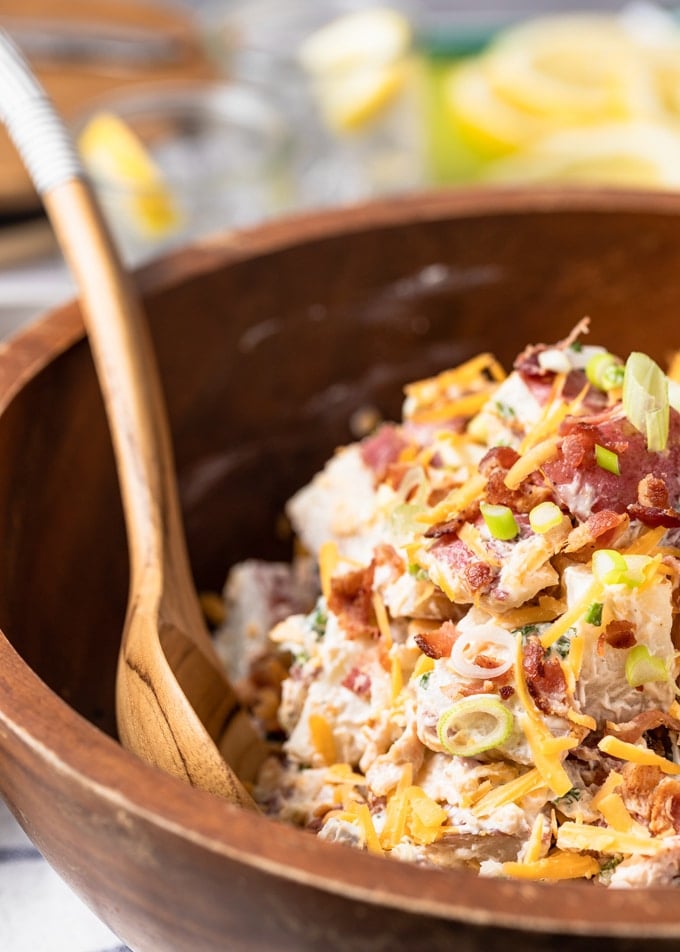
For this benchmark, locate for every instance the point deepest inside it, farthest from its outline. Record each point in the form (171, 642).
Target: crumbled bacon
(620, 633)
(498, 457)
(479, 576)
(586, 488)
(652, 492)
(506, 691)
(637, 788)
(654, 517)
(631, 731)
(385, 554)
(452, 553)
(664, 816)
(351, 599)
(601, 528)
(495, 465)
(544, 676)
(358, 681)
(382, 449)
(437, 643)
(450, 528)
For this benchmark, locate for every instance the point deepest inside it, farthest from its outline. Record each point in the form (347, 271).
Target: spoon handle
(167, 658)
(117, 330)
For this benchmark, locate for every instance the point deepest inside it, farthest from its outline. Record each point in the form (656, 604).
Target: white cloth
(38, 911)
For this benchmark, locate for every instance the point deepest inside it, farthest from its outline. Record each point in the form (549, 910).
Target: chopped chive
(607, 459)
(505, 411)
(594, 614)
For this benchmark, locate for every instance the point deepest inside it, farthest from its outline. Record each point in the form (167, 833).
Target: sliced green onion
(643, 667)
(645, 400)
(594, 614)
(637, 569)
(500, 521)
(607, 459)
(544, 517)
(473, 725)
(612, 568)
(609, 566)
(604, 371)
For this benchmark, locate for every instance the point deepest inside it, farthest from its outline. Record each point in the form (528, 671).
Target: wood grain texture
(175, 707)
(266, 344)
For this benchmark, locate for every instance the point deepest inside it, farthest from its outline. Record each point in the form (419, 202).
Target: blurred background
(199, 116)
(203, 115)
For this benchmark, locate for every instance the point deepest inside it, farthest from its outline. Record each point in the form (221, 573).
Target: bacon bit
(601, 643)
(619, 633)
(653, 492)
(495, 465)
(631, 731)
(498, 457)
(602, 527)
(578, 448)
(479, 576)
(385, 554)
(637, 788)
(544, 676)
(528, 494)
(450, 527)
(506, 691)
(664, 815)
(351, 599)
(654, 517)
(437, 643)
(382, 449)
(358, 681)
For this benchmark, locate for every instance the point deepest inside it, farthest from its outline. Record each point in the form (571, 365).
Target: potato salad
(472, 661)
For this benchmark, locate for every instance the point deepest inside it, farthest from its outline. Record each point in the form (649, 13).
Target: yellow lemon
(358, 64)
(487, 123)
(350, 102)
(115, 156)
(635, 153)
(578, 68)
(374, 35)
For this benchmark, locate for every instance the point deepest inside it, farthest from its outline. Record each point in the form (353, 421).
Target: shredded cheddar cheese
(559, 865)
(323, 739)
(600, 839)
(636, 755)
(532, 460)
(571, 616)
(510, 792)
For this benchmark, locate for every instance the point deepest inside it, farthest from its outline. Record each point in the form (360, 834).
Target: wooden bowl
(267, 343)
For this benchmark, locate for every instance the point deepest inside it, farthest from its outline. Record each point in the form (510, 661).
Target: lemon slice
(351, 102)
(117, 158)
(637, 153)
(358, 65)
(371, 36)
(581, 68)
(488, 124)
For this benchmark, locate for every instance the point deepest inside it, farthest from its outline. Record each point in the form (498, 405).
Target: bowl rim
(30, 711)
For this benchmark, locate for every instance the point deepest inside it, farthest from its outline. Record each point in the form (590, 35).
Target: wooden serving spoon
(175, 706)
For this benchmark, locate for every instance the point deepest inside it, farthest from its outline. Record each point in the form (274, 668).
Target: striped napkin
(38, 911)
